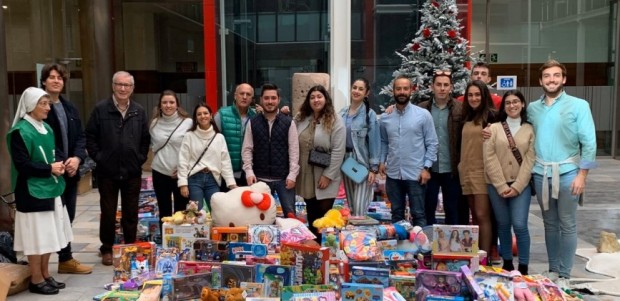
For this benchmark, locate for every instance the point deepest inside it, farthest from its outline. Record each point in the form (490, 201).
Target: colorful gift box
(359, 291)
(455, 239)
(310, 262)
(230, 234)
(129, 260)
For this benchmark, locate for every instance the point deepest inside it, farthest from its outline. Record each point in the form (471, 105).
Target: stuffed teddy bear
(243, 206)
(209, 295)
(234, 294)
(191, 215)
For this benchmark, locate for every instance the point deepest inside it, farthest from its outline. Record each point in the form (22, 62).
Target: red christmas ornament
(426, 32)
(435, 4)
(415, 47)
(451, 34)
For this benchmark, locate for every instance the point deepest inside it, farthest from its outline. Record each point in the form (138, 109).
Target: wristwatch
(429, 169)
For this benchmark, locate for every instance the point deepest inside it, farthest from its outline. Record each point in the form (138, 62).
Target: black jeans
(130, 193)
(166, 187)
(69, 198)
(451, 191)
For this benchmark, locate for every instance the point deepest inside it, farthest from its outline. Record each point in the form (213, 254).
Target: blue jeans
(512, 213)
(396, 192)
(560, 224)
(201, 186)
(286, 196)
(451, 191)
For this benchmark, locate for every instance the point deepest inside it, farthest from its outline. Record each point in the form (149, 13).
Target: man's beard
(401, 99)
(557, 90)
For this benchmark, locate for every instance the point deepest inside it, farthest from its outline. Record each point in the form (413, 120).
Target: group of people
(495, 153)
(482, 153)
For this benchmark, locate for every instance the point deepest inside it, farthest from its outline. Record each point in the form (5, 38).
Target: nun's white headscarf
(29, 100)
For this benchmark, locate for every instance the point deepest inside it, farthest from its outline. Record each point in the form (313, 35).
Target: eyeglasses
(443, 72)
(121, 85)
(512, 103)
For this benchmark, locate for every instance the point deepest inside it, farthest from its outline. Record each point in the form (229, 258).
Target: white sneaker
(563, 283)
(553, 276)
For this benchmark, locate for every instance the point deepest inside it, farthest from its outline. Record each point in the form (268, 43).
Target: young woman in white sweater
(508, 177)
(169, 125)
(203, 159)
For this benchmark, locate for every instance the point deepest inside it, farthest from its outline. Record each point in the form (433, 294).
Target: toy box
(359, 291)
(405, 285)
(243, 251)
(274, 277)
(151, 291)
(496, 284)
(188, 287)
(147, 204)
(474, 288)
(234, 274)
(369, 275)
(252, 289)
(289, 291)
(455, 239)
(166, 262)
(318, 296)
(148, 229)
(392, 294)
(453, 263)
(209, 250)
(184, 245)
(398, 255)
(230, 234)
(130, 260)
(310, 262)
(403, 267)
(330, 238)
(337, 272)
(389, 244)
(195, 267)
(188, 231)
(265, 234)
(429, 282)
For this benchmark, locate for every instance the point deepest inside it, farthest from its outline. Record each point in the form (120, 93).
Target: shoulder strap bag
(200, 157)
(516, 152)
(168, 140)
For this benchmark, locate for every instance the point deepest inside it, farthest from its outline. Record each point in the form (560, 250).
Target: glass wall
(269, 41)
(580, 34)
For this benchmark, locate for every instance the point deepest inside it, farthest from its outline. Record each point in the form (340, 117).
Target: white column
(340, 51)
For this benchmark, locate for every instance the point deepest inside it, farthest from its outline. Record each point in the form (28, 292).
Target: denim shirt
(365, 154)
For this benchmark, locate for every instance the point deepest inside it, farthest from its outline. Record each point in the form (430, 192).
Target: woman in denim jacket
(363, 143)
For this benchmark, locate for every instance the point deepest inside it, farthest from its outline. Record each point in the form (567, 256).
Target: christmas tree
(438, 45)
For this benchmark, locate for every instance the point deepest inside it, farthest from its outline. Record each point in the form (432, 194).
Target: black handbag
(319, 158)
(517, 153)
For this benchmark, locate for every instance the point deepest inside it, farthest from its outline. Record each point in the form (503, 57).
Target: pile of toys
(242, 251)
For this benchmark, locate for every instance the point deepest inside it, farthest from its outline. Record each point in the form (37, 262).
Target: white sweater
(166, 159)
(216, 158)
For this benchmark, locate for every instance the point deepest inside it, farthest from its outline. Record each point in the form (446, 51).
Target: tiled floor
(600, 212)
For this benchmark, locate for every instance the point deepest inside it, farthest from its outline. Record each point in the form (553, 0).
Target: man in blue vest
(231, 121)
(271, 150)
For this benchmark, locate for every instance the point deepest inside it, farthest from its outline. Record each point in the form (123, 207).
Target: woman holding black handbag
(321, 150)
(509, 157)
(203, 159)
(170, 123)
(362, 145)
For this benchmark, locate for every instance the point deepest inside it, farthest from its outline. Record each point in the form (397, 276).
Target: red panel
(210, 45)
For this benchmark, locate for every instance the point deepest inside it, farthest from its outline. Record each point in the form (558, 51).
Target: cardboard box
(187, 231)
(86, 183)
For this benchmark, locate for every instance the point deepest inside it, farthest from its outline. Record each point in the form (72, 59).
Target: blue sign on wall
(506, 82)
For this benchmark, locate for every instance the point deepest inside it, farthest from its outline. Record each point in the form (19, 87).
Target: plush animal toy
(243, 206)
(333, 218)
(209, 295)
(234, 294)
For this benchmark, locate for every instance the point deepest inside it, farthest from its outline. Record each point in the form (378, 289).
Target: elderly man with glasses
(117, 138)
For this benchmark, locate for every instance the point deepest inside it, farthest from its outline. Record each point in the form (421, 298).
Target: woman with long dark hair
(169, 125)
(203, 159)
(478, 112)
(362, 143)
(322, 129)
(508, 160)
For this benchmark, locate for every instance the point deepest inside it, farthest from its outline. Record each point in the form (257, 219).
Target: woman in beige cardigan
(508, 176)
(319, 128)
